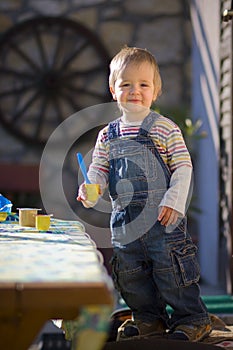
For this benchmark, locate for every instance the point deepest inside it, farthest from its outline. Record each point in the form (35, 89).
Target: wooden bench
(19, 178)
(20, 184)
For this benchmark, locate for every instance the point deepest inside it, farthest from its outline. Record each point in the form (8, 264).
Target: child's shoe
(192, 333)
(138, 329)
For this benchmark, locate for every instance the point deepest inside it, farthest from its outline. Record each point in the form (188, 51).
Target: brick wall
(163, 27)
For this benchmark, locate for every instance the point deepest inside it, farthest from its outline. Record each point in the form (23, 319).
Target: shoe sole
(142, 336)
(203, 336)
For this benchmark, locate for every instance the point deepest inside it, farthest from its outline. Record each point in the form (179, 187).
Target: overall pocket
(185, 264)
(134, 160)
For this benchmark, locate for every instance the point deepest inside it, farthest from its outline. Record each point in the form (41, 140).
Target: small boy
(143, 159)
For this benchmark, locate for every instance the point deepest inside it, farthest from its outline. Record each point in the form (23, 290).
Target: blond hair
(134, 55)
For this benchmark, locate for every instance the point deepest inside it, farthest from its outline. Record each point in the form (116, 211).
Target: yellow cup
(3, 215)
(42, 222)
(27, 216)
(93, 191)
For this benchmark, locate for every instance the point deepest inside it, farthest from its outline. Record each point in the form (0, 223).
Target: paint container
(93, 192)
(42, 222)
(27, 216)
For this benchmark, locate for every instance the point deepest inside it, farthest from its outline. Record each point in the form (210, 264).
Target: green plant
(191, 130)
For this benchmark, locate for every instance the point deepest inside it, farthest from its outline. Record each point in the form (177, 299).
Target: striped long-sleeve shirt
(169, 141)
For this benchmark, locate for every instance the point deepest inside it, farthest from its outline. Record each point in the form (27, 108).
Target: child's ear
(156, 92)
(112, 92)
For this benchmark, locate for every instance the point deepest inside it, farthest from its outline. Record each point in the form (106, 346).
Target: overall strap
(147, 123)
(113, 129)
(144, 131)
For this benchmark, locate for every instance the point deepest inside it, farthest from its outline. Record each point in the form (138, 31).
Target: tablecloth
(65, 253)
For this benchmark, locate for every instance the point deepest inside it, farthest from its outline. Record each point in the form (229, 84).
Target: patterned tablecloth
(64, 254)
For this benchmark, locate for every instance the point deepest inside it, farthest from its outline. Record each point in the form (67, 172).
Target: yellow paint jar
(27, 216)
(42, 222)
(93, 192)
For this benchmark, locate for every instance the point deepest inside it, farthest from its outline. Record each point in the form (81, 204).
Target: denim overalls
(152, 267)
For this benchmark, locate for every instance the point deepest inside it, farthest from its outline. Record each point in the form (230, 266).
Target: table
(58, 274)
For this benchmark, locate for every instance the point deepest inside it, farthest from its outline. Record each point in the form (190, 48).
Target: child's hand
(168, 216)
(82, 193)
(87, 196)
(82, 196)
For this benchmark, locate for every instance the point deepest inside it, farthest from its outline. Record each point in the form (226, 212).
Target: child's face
(134, 86)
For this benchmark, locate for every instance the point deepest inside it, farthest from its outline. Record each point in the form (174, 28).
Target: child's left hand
(168, 216)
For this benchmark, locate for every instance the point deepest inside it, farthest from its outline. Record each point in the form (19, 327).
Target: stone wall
(163, 27)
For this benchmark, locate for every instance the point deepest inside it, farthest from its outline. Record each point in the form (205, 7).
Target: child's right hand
(82, 193)
(83, 196)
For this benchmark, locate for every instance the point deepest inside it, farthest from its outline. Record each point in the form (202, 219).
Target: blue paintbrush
(83, 167)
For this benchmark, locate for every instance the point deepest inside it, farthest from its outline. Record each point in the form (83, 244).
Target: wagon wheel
(49, 68)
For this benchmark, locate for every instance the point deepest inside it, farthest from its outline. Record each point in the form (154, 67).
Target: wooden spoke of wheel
(47, 66)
